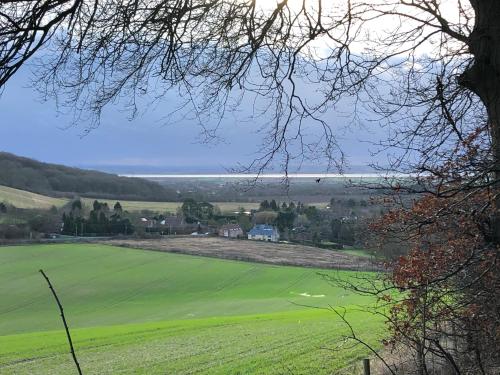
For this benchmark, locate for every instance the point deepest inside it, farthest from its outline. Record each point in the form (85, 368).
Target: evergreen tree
(117, 208)
(76, 205)
(285, 220)
(273, 205)
(264, 205)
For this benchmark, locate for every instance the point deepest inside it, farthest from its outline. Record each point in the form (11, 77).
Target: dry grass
(169, 206)
(253, 251)
(26, 199)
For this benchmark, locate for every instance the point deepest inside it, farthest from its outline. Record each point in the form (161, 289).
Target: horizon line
(265, 175)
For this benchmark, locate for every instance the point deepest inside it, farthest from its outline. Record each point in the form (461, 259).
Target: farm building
(231, 231)
(264, 232)
(173, 222)
(176, 225)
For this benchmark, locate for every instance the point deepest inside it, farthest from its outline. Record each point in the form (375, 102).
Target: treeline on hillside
(57, 180)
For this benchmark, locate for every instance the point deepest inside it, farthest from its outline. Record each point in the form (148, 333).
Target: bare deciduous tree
(429, 64)
(428, 69)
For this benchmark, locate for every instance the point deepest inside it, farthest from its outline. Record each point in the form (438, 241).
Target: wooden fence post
(366, 366)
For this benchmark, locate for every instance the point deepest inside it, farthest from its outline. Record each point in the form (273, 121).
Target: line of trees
(24, 223)
(101, 220)
(195, 211)
(309, 224)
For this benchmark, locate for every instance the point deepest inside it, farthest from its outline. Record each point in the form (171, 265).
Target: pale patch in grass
(305, 294)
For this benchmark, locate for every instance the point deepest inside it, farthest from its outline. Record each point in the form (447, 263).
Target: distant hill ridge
(61, 181)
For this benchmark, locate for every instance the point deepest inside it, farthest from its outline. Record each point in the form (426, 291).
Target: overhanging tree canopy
(391, 56)
(429, 68)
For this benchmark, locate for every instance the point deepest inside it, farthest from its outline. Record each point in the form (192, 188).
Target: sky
(35, 129)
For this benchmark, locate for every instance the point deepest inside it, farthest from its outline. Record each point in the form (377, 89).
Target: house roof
(172, 220)
(231, 226)
(262, 230)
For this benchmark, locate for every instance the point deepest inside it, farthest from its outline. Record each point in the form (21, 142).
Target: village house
(264, 232)
(231, 231)
(148, 223)
(174, 224)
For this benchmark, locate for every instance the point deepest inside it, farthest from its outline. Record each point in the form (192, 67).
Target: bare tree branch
(61, 310)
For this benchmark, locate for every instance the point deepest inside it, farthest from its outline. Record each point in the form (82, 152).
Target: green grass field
(141, 312)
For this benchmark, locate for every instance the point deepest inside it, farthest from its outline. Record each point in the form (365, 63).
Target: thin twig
(357, 339)
(64, 322)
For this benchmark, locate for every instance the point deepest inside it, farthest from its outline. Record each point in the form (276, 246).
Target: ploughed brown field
(253, 251)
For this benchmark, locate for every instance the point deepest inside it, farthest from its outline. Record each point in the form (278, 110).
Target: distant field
(170, 206)
(255, 251)
(227, 207)
(26, 199)
(141, 312)
(357, 252)
(7, 219)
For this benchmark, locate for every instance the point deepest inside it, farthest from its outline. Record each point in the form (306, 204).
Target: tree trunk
(495, 133)
(421, 365)
(483, 78)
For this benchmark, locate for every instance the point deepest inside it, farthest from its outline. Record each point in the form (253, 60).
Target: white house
(264, 232)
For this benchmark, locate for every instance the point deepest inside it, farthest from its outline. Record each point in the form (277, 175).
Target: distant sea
(217, 172)
(266, 175)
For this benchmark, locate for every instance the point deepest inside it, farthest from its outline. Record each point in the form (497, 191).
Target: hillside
(144, 312)
(61, 181)
(26, 199)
